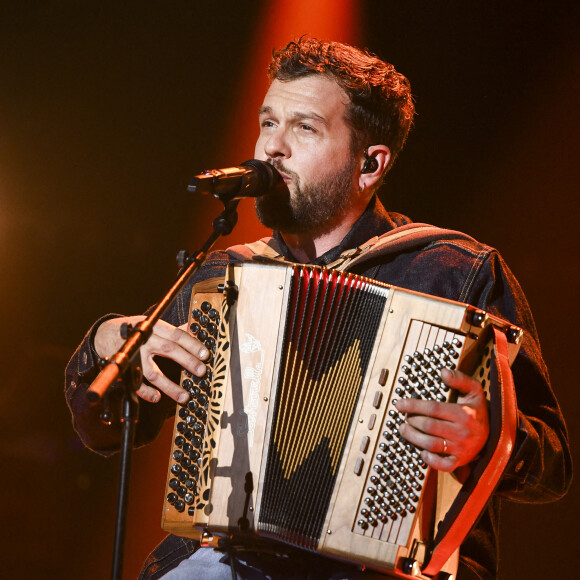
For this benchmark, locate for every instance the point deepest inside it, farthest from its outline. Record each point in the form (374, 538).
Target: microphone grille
(267, 173)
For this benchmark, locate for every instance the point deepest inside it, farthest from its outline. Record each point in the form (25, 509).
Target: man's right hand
(167, 341)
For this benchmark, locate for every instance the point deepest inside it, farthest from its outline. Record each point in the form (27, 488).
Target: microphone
(253, 178)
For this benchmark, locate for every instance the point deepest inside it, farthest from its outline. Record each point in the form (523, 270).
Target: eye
(267, 123)
(308, 128)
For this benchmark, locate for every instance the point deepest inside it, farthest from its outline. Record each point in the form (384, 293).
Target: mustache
(283, 169)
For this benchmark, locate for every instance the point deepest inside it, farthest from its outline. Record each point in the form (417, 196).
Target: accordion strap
(400, 239)
(266, 248)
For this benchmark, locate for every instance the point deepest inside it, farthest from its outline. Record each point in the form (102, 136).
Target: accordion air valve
(292, 435)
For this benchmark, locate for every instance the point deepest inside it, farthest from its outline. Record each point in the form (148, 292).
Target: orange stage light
(329, 19)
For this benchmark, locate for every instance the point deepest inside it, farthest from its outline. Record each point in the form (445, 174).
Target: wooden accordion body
(292, 436)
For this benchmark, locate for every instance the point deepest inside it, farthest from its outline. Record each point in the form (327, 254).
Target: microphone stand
(125, 367)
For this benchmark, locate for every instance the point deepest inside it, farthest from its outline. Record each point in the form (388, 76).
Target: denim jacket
(539, 469)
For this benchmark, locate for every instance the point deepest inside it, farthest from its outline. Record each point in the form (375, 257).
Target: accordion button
(383, 377)
(358, 466)
(365, 444)
(205, 306)
(172, 498)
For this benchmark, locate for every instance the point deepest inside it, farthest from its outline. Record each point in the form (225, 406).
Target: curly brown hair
(381, 105)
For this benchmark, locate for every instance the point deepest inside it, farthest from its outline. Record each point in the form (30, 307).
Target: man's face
(305, 135)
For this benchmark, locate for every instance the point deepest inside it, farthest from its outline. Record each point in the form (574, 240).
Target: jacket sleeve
(540, 468)
(103, 438)
(83, 368)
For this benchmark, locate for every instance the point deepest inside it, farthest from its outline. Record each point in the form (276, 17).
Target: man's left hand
(450, 434)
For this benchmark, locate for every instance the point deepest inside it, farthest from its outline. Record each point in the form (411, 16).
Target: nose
(276, 145)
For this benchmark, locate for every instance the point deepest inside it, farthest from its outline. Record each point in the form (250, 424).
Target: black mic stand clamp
(124, 368)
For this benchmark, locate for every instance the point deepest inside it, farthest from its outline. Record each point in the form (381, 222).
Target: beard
(312, 207)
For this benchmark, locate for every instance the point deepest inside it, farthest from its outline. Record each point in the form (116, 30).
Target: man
(332, 122)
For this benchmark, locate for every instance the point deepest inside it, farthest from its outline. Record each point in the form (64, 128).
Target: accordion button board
(292, 435)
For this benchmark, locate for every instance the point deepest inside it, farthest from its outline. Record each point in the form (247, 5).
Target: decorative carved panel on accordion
(292, 435)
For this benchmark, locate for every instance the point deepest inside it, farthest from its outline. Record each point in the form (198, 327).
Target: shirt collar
(374, 221)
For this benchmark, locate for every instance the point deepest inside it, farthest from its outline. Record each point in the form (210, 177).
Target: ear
(382, 155)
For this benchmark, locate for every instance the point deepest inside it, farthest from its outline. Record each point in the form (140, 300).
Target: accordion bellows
(292, 435)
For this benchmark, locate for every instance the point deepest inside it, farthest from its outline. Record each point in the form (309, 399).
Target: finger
(460, 381)
(421, 439)
(148, 393)
(154, 375)
(435, 409)
(178, 350)
(181, 337)
(440, 462)
(430, 426)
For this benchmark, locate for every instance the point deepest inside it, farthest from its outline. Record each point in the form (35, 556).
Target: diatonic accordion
(292, 434)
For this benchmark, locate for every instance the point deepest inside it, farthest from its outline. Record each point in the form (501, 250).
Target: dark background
(108, 108)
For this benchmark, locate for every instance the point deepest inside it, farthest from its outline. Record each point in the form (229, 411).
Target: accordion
(292, 435)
